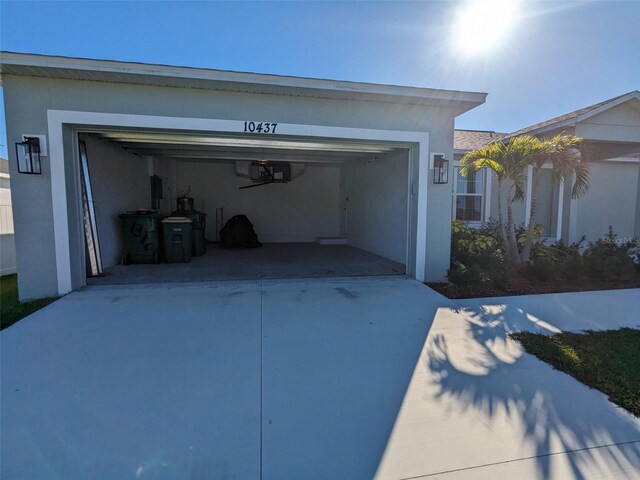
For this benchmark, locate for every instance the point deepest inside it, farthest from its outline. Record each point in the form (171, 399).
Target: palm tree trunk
(501, 226)
(528, 244)
(514, 255)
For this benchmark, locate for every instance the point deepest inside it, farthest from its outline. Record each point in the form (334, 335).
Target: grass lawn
(607, 360)
(10, 309)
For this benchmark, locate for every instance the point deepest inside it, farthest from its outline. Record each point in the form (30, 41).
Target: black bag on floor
(239, 232)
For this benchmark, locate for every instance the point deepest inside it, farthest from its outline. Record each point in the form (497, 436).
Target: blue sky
(560, 56)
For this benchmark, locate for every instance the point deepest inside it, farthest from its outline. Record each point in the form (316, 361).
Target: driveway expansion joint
(515, 460)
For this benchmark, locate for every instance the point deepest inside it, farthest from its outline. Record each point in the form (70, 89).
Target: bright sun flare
(481, 25)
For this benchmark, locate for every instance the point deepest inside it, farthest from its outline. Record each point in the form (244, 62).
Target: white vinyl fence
(7, 241)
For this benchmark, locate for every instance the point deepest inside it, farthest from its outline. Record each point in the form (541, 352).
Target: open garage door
(320, 207)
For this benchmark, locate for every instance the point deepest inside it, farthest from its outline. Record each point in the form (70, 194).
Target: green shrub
(543, 269)
(573, 267)
(634, 253)
(609, 258)
(477, 256)
(556, 262)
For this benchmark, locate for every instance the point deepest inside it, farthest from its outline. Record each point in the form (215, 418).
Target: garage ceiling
(195, 146)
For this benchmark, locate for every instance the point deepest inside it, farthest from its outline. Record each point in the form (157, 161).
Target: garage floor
(273, 260)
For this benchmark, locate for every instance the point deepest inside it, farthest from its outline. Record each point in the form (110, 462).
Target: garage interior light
(440, 169)
(28, 153)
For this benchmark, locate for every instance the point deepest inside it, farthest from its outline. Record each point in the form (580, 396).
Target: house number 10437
(260, 127)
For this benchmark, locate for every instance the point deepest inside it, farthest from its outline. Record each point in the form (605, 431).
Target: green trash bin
(199, 224)
(177, 239)
(140, 229)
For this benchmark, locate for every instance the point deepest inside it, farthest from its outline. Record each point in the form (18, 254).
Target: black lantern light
(28, 153)
(440, 169)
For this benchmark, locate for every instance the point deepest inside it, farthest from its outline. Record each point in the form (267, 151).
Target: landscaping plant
(611, 258)
(510, 163)
(477, 256)
(479, 263)
(556, 262)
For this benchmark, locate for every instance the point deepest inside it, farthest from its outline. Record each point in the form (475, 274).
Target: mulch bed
(522, 286)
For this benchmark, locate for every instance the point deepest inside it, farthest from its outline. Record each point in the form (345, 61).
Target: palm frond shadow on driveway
(488, 374)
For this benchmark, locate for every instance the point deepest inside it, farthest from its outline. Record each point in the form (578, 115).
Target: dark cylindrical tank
(185, 203)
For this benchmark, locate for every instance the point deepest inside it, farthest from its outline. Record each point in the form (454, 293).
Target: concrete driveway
(342, 378)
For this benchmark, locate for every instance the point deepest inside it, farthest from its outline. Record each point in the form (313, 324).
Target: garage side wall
(27, 100)
(439, 218)
(298, 211)
(120, 183)
(377, 207)
(31, 201)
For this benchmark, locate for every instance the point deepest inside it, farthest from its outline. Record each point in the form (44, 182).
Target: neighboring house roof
(575, 116)
(467, 140)
(187, 77)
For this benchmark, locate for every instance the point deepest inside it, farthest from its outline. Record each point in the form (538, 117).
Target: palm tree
(563, 152)
(510, 161)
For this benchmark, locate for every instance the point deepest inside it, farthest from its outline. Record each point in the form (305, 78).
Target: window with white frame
(469, 196)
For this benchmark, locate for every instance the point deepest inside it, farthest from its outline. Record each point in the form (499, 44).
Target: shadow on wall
(488, 375)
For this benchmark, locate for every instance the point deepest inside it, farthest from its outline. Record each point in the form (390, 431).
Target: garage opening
(320, 207)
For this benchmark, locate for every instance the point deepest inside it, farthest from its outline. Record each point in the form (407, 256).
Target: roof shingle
(474, 139)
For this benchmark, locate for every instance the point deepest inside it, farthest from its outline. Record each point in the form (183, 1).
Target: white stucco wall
(120, 182)
(620, 123)
(377, 207)
(28, 99)
(298, 211)
(612, 199)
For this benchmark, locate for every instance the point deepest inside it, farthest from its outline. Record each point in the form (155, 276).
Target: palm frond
(519, 190)
(486, 157)
(581, 182)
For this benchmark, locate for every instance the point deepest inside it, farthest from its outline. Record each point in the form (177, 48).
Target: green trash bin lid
(197, 217)
(139, 213)
(177, 220)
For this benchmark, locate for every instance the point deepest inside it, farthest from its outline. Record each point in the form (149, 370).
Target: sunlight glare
(481, 25)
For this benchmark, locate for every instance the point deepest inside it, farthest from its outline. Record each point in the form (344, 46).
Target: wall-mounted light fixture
(440, 169)
(28, 153)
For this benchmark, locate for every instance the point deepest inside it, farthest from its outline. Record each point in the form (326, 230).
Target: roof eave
(127, 72)
(548, 128)
(573, 121)
(634, 94)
